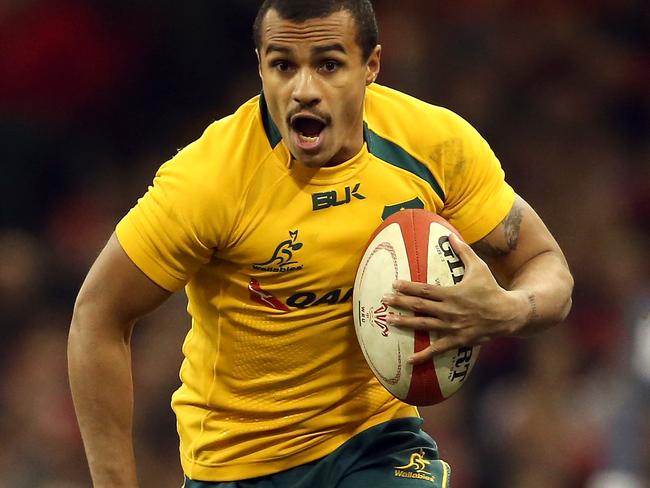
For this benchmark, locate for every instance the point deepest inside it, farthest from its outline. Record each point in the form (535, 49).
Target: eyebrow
(315, 50)
(279, 49)
(329, 47)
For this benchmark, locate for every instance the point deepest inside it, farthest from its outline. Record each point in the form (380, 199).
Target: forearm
(542, 291)
(99, 363)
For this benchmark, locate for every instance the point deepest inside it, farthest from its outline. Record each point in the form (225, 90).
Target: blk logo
(330, 198)
(282, 260)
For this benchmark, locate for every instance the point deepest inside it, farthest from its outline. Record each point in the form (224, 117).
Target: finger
(418, 305)
(462, 250)
(442, 345)
(418, 322)
(438, 346)
(450, 342)
(422, 356)
(416, 289)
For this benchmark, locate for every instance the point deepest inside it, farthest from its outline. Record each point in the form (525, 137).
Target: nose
(306, 91)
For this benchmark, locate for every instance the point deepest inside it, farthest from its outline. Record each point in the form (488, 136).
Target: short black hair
(302, 10)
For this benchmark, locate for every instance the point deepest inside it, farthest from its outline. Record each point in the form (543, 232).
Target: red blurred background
(94, 96)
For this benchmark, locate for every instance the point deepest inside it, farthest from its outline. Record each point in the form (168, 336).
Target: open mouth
(308, 128)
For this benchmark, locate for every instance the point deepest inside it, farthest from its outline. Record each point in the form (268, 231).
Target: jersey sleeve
(478, 197)
(174, 228)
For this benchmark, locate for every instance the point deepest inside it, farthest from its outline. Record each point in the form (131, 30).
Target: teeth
(308, 138)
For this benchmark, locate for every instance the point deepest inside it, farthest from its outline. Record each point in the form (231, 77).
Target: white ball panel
(454, 367)
(440, 256)
(446, 269)
(386, 348)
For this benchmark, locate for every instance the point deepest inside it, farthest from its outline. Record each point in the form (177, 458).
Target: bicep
(519, 237)
(117, 290)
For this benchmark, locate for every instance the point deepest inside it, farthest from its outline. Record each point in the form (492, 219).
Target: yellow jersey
(267, 250)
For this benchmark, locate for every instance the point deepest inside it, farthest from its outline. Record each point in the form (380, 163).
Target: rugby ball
(411, 245)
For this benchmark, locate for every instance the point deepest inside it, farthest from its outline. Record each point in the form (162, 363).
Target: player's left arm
(516, 282)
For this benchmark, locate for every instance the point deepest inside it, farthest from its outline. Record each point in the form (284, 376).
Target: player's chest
(319, 229)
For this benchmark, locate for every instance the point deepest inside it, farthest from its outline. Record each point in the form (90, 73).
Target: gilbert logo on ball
(410, 245)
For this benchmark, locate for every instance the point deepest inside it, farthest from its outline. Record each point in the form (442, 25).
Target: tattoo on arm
(532, 301)
(510, 226)
(486, 251)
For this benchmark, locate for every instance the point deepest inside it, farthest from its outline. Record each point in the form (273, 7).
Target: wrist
(122, 475)
(517, 312)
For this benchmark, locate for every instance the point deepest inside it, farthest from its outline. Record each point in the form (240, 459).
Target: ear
(259, 63)
(373, 65)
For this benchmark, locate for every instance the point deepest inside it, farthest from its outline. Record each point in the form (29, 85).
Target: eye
(330, 66)
(282, 66)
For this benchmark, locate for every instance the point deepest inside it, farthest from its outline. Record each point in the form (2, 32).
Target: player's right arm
(114, 295)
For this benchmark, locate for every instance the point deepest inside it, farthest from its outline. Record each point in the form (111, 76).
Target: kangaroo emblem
(417, 462)
(283, 254)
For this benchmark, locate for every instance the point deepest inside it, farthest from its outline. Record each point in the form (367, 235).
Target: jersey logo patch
(391, 209)
(263, 297)
(301, 300)
(416, 468)
(327, 199)
(282, 260)
(305, 299)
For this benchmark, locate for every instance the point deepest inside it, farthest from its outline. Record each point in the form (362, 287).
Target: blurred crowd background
(95, 95)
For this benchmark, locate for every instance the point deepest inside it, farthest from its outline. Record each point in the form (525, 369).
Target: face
(314, 78)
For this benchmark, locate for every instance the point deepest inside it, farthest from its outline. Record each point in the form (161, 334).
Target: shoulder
(195, 195)
(233, 139)
(228, 149)
(394, 112)
(435, 136)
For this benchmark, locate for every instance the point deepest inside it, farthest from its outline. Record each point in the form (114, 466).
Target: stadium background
(95, 95)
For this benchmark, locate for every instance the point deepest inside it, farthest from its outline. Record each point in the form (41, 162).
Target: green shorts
(395, 454)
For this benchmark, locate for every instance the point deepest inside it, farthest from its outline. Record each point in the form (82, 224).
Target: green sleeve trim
(393, 154)
(272, 132)
(382, 148)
